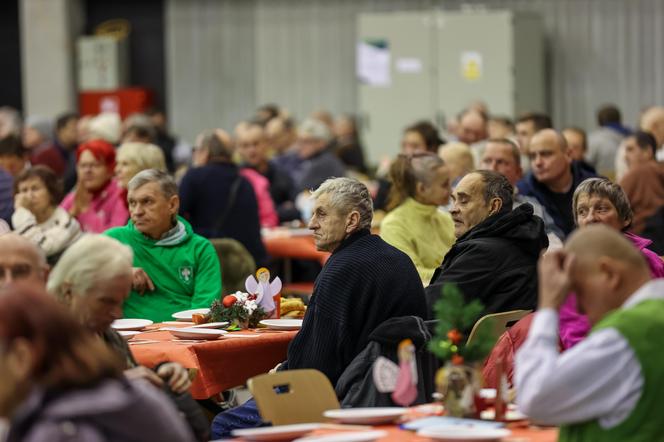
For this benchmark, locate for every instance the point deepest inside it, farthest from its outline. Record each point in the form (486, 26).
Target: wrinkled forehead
(470, 185)
(18, 254)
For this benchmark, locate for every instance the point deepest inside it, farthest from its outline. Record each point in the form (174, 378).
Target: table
(395, 434)
(221, 364)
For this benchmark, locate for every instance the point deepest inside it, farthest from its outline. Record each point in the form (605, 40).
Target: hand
(140, 280)
(554, 271)
(176, 376)
(21, 200)
(82, 199)
(141, 372)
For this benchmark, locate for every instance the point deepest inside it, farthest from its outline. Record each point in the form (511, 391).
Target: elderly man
(608, 386)
(495, 255)
(21, 260)
(214, 192)
(554, 177)
(252, 146)
(364, 283)
(318, 162)
(95, 299)
(502, 155)
(174, 269)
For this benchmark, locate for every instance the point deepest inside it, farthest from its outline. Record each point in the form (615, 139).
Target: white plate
(277, 433)
(463, 434)
(128, 334)
(282, 324)
(195, 333)
(369, 416)
(353, 436)
(131, 324)
(186, 315)
(211, 325)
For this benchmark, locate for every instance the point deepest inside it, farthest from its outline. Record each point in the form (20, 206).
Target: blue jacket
(529, 186)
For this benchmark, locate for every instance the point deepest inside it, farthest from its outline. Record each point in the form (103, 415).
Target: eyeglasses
(16, 272)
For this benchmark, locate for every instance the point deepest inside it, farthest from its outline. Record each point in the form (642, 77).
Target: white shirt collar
(653, 289)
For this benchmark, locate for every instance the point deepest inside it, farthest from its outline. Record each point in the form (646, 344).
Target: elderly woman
(96, 298)
(598, 200)
(420, 184)
(37, 192)
(132, 158)
(97, 202)
(61, 384)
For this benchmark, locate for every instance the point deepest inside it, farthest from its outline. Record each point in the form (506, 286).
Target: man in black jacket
(364, 283)
(495, 257)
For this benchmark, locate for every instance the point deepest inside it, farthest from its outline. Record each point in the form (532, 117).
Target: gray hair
(497, 186)
(165, 181)
(91, 259)
(604, 188)
(218, 149)
(346, 195)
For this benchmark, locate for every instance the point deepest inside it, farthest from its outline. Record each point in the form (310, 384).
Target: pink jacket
(266, 211)
(107, 209)
(574, 326)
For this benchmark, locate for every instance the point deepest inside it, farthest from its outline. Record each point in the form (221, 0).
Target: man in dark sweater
(495, 256)
(364, 283)
(554, 177)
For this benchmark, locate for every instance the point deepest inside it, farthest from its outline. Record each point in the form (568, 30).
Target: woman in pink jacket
(96, 202)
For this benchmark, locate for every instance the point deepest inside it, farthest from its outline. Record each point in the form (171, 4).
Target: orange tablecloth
(395, 434)
(294, 247)
(221, 364)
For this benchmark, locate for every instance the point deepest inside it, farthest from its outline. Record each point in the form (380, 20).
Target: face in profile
(328, 225)
(97, 309)
(468, 205)
(436, 191)
(125, 169)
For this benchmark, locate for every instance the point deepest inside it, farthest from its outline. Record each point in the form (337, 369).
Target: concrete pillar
(48, 70)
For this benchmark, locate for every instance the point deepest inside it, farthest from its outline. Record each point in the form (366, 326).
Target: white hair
(91, 259)
(346, 195)
(143, 155)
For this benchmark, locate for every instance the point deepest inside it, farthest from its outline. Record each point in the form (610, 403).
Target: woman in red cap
(97, 202)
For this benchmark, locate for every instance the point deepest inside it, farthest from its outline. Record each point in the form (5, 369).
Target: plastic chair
(293, 396)
(499, 322)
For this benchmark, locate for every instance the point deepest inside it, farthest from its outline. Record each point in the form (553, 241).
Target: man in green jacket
(174, 268)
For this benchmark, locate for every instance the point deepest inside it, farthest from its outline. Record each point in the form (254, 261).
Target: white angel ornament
(264, 290)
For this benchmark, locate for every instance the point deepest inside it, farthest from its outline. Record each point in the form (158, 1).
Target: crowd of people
(104, 219)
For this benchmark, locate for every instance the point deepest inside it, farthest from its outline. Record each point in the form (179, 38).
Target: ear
(174, 204)
(352, 221)
(495, 205)
(420, 189)
(608, 268)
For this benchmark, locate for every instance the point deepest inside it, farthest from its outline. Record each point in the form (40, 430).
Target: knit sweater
(364, 282)
(53, 235)
(422, 232)
(183, 267)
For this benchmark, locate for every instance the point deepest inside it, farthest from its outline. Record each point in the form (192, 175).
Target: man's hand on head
(554, 270)
(141, 281)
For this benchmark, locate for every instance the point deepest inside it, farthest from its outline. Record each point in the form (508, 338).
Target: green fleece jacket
(183, 267)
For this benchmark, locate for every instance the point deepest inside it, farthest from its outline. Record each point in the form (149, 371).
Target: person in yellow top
(415, 225)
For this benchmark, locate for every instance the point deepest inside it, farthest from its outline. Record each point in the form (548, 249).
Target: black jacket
(495, 262)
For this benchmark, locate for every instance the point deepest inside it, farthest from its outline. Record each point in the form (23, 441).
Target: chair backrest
(293, 396)
(499, 322)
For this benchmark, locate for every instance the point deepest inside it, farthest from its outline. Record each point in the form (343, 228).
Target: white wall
(227, 57)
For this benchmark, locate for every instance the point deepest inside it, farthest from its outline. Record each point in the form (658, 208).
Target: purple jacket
(113, 411)
(573, 325)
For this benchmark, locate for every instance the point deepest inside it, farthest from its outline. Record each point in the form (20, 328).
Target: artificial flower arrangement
(460, 379)
(239, 309)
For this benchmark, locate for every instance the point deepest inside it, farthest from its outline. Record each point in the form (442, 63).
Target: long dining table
(219, 364)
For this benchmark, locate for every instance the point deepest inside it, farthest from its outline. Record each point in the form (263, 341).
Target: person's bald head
(472, 127)
(607, 269)
(652, 121)
(21, 260)
(550, 160)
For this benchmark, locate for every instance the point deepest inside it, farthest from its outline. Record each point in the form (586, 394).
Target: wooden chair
(499, 322)
(293, 396)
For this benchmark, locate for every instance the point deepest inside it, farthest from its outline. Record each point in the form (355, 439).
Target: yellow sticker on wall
(471, 65)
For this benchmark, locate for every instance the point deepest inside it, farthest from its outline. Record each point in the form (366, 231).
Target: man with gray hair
(495, 256)
(318, 162)
(174, 268)
(364, 283)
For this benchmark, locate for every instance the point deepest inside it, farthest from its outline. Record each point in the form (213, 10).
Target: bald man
(553, 177)
(21, 260)
(607, 387)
